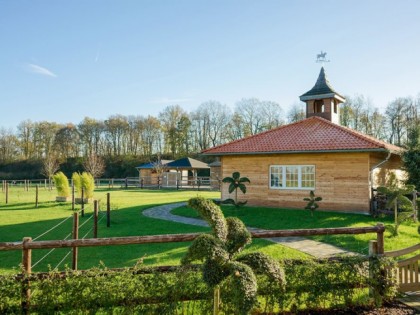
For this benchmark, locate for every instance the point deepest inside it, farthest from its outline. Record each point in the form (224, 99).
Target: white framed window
(292, 176)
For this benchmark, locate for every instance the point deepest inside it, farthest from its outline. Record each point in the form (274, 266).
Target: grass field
(273, 219)
(20, 219)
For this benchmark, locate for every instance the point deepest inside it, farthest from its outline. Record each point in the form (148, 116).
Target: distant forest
(123, 142)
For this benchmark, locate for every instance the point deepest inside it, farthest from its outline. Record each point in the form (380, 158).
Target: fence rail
(169, 238)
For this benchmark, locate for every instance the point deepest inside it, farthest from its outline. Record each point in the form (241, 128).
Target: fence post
(7, 192)
(75, 236)
(83, 202)
(36, 195)
(108, 209)
(27, 269)
(95, 218)
(380, 238)
(141, 183)
(72, 195)
(216, 300)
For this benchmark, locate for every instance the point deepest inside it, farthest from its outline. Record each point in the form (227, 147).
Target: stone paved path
(313, 248)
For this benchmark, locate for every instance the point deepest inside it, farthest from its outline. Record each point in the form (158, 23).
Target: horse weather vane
(321, 57)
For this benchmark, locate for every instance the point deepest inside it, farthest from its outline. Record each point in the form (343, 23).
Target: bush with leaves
(311, 285)
(88, 184)
(312, 202)
(235, 182)
(61, 184)
(403, 207)
(219, 253)
(84, 181)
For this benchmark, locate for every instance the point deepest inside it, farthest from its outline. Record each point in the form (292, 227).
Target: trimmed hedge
(312, 284)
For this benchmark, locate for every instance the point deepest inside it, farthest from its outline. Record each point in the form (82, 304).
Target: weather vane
(320, 58)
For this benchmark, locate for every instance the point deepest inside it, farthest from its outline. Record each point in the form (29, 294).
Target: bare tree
(94, 164)
(8, 144)
(50, 165)
(296, 113)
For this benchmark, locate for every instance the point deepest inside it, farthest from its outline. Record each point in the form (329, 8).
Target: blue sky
(64, 60)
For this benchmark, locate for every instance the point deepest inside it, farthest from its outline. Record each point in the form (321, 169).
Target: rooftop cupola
(322, 100)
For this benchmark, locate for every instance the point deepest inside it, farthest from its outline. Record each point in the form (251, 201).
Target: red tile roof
(308, 135)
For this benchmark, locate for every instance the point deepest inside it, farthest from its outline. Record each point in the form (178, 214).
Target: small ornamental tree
(50, 165)
(235, 182)
(398, 200)
(61, 184)
(312, 202)
(219, 253)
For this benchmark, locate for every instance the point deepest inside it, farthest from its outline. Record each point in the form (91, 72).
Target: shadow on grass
(124, 222)
(31, 205)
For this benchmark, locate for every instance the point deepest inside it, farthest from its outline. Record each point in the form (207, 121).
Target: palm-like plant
(312, 202)
(396, 198)
(235, 182)
(219, 252)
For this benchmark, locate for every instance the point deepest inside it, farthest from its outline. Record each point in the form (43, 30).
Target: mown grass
(277, 219)
(20, 219)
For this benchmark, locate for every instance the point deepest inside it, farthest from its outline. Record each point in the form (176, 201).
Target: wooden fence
(408, 269)
(27, 245)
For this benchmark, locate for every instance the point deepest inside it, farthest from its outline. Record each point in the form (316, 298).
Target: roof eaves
(298, 152)
(305, 97)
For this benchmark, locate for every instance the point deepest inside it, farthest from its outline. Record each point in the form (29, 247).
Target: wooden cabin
(284, 164)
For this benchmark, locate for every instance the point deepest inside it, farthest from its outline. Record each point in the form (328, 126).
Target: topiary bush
(77, 183)
(84, 181)
(221, 263)
(88, 184)
(61, 184)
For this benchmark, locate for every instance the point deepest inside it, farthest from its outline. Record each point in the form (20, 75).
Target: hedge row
(310, 285)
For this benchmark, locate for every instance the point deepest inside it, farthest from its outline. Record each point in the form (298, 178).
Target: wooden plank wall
(342, 180)
(382, 174)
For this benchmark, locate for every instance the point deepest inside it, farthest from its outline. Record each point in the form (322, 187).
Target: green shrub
(311, 285)
(84, 181)
(77, 183)
(88, 184)
(219, 251)
(61, 184)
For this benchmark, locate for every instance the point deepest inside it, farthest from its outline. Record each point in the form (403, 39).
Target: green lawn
(277, 219)
(20, 218)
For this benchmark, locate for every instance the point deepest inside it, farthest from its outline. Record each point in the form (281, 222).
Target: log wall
(341, 179)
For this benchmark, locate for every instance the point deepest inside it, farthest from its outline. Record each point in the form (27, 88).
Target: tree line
(175, 132)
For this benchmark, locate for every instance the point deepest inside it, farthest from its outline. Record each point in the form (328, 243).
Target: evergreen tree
(411, 158)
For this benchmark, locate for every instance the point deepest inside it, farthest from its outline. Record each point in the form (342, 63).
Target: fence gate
(408, 269)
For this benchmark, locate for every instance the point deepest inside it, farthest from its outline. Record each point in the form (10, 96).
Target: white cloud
(167, 100)
(40, 70)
